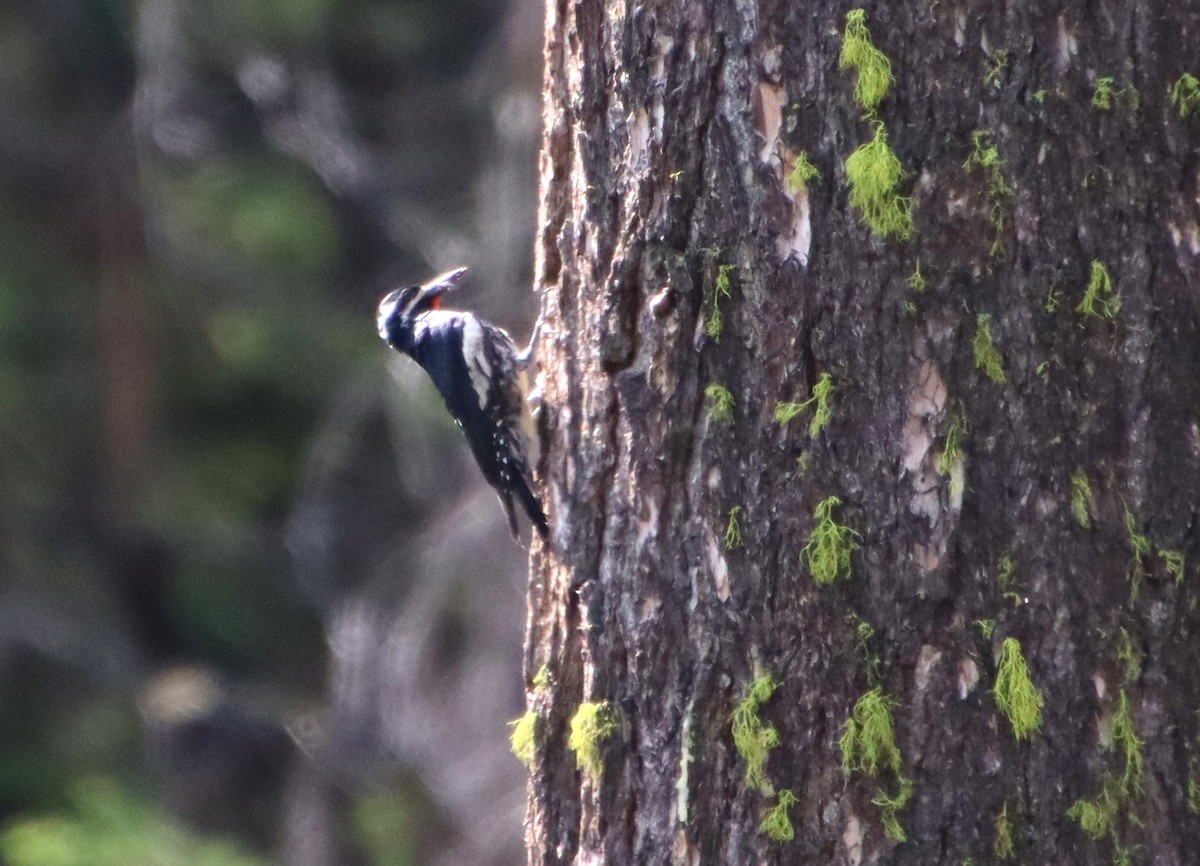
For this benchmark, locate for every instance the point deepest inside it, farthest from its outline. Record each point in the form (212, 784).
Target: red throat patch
(436, 303)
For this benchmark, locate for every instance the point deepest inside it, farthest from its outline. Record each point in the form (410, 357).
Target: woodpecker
(476, 369)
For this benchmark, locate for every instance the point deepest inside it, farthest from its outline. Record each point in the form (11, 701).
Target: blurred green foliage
(108, 826)
(263, 208)
(160, 246)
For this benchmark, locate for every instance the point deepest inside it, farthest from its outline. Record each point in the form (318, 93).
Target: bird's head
(400, 308)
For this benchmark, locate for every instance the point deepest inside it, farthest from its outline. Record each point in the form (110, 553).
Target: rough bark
(670, 128)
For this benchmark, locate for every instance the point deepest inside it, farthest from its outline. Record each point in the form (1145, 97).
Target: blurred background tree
(256, 604)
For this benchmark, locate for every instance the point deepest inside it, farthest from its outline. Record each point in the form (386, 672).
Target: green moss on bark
(1016, 695)
(875, 175)
(872, 68)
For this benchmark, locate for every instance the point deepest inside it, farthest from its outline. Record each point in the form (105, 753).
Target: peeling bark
(670, 128)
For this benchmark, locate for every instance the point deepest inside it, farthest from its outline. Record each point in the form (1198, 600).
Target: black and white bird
(477, 370)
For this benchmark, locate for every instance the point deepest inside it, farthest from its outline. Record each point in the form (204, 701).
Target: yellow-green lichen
(1100, 816)
(1124, 739)
(868, 740)
(1129, 657)
(997, 66)
(1003, 844)
(821, 402)
(720, 403)
(828, 550)
(733, 529)
(785, 413)
(802, 172)
(1139, 544)
(523, 739)
(875, 174)
(753, 736)
(1005, 570)
(1104, 97)
(1099, 299)
(986, 627)
(722, 289)
(593, 723)
(1185, 95)
(873, 69)
(890, 806)
(776, 823)
(987, 356)
(865, 633)
(1095, 817)
(986, 157)
(915, 281)
(1016, 695)
(1081, 499)
(868, 745)
(952, 450)
(1173, 562)
(1193, 786)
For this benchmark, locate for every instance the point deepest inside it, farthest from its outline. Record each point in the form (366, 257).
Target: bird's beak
(441, 283)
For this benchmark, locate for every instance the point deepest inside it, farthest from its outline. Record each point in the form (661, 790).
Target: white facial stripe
(386, 308)
(477, 362)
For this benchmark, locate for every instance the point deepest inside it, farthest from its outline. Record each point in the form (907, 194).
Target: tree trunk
(984, 651)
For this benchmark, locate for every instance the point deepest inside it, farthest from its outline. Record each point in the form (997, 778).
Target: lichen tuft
(722, 289)
(1099, 299)
(1185, 95)
(802, 172)
(872, 66)
(523, 739)
(1102, 98)
(822, 402)
(1129, 657)
(593, 723)
(1081, 499)
(868, 740)
(890, 805)
(952, 450)
(1003, 845)
(828, 550)
(720, 403)
(733, 529)
(1015, 694)
(916, 281)
(1139, 544)
(1099, 816)
(875, 174)
(868, 745)
(753, 737)
(1173, 562)
(776, 823)
(1125, 740)
(986, 156)
(987, 356)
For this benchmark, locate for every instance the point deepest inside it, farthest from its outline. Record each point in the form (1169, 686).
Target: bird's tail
(532, 506)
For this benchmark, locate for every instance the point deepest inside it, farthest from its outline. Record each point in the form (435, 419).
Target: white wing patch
(477, 361)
